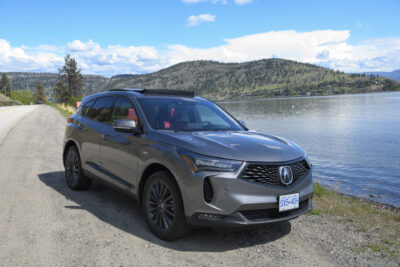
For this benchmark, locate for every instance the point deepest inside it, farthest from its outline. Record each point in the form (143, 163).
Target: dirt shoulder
(44, 223)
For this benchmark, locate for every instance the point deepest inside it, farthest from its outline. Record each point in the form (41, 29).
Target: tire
(74, 176)
(163, 207)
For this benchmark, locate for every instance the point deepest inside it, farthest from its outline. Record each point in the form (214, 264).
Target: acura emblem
(286, 175)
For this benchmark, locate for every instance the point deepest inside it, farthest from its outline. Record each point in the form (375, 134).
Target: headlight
(205, 163)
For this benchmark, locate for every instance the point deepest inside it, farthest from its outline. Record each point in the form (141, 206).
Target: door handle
(106, 137)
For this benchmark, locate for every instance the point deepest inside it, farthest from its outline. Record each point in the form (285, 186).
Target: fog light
(207, 216)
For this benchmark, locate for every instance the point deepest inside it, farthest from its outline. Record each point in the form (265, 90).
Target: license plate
(288, 202)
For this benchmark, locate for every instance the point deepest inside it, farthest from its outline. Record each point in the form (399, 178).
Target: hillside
(28, 80)
(395, 75)
(6, 101)
(262, 78)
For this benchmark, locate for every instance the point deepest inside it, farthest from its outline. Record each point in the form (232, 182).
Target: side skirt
(110, 175)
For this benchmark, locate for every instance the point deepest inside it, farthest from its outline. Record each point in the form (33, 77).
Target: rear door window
(102, 109)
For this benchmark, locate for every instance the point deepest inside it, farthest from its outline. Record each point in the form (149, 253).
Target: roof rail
(158, 92)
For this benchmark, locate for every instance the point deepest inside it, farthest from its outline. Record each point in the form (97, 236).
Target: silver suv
(186, 160)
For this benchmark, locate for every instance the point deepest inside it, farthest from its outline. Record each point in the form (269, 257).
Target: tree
(61, 93)
(5, 85)
(24, 96)
(3, 82)
(71, 75)
(39, 93)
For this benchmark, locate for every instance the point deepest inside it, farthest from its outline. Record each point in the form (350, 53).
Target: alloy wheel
(72, 167)
(160, 205)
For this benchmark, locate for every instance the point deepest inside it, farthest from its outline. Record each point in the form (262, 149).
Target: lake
(353, 140)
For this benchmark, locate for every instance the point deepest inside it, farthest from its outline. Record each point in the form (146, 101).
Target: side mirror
(243, 124)
(126, 126)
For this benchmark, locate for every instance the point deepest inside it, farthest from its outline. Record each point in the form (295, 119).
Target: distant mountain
(395, 75)
(262, 78)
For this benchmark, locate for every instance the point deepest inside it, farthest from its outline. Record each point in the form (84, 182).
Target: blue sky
(110, 37)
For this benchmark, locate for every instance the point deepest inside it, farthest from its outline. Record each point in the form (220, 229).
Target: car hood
(241, 145)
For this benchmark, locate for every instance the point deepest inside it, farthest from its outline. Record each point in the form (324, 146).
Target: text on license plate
(288, 202)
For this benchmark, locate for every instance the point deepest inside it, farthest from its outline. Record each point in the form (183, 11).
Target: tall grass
(65, 110)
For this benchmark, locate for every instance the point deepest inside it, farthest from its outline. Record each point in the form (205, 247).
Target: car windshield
(186, 114)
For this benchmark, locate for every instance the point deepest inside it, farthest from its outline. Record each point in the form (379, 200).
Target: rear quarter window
(86, 108)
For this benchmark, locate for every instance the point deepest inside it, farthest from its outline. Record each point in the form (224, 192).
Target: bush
(24, 96)
(73, 100)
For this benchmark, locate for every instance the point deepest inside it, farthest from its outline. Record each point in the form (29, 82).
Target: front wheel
(163, 207)
(74, 176)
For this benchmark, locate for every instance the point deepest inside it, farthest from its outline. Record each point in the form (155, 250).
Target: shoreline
(369, 201)
(300, 96)
(377, 225)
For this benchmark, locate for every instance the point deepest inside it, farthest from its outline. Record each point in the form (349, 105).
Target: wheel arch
(148, 171)
(68, 144)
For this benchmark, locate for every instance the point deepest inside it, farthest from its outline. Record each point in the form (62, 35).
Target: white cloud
(242, 2)
(91, 58)
(78, 45)
(196, 20)
(283, 44)
(18, 59)
(327, 48)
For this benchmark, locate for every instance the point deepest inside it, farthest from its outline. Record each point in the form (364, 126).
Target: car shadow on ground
(123, 212)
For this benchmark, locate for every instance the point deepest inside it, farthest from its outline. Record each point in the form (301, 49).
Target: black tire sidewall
(82, 182)
(179, 226)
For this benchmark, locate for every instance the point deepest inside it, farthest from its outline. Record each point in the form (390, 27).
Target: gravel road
(43, 223)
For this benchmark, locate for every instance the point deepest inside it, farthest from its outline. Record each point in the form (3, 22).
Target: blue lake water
(353, 140)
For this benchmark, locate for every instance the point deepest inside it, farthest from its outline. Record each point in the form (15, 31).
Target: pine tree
(40, 94)
(71, 75)
(3, 81)
(5, 85)
(61, 93)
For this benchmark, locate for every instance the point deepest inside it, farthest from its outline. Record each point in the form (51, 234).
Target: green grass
(375, 248)
(368, 218)
(315, 212)
(319, 191)
(388, 242)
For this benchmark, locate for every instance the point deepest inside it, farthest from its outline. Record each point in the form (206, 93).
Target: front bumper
(240, 203)
(250, 218)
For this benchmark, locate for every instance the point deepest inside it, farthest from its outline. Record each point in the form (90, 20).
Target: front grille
(273, 213)
(269, 174)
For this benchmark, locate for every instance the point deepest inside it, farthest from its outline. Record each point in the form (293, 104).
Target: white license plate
(288, 202)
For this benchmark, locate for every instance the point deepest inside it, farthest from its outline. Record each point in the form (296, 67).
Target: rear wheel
(74, 176)
(163, 207)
